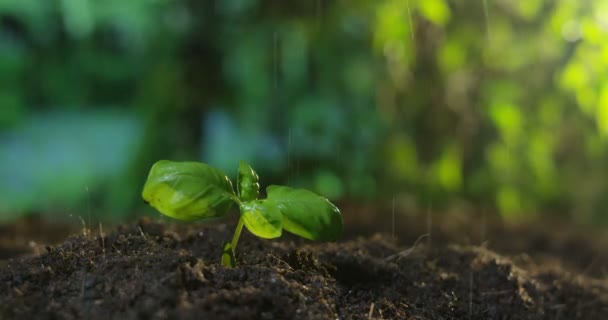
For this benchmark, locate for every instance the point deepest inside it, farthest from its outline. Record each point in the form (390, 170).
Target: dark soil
(151, 270)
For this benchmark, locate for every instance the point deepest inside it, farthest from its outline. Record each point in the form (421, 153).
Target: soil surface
(154, 270)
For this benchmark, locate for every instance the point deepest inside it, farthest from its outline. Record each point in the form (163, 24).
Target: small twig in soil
(496, 293)
(103, 240)
(591, 264)
(143, 235)
(587, 304)
(393, 224)
(429, 225)
(89, 205)
(371, 311)
(84, 275)
(18, 292)
(281, 261)
(85, 232)
(471, 295)
(408, 251)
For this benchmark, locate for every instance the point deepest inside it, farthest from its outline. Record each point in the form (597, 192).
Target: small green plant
(196, 191)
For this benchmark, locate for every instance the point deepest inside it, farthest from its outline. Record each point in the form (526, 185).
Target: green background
(493, 104)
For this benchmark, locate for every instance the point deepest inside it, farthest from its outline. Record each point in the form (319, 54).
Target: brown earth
(154, 270)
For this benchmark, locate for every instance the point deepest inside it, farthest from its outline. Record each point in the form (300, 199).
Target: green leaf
(263, 218)
(228, 258)
(247, 183)
(307, 214)
(188, 190)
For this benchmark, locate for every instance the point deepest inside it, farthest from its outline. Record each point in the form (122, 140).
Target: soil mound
(152, 270)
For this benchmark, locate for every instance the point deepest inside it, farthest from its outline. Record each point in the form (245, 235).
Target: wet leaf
(263, 218)
(306, 213)
(188, 190)
(247, 183)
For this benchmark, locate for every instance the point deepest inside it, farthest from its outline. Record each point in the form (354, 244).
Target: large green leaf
(188, 190)
(307, 214)
(247, 183)
(263, 218)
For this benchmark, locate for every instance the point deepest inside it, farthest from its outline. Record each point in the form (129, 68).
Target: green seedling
(196, 191)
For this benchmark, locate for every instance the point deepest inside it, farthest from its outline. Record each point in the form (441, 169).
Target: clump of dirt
(151, 270)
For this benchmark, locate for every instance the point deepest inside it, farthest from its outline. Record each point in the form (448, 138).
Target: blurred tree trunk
(172, 100)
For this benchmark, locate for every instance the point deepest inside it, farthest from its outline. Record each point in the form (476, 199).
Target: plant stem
(236, 199)
(237, 233)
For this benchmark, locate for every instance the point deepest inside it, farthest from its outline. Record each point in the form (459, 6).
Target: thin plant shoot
(196, 191)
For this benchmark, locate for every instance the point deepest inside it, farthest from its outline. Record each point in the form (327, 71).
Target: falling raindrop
(275, 53)
(487, 18)
(288, 155)
(471, 295)
(483, 224)
(409, 16)
(393, 224)
(88, 204)
(429, 225)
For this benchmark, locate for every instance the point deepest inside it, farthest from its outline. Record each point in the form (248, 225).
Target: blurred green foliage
(502, 104)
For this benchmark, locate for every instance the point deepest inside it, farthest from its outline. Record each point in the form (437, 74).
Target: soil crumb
(152, 270)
